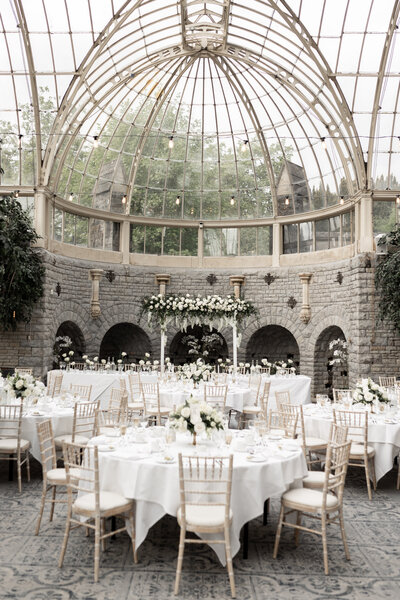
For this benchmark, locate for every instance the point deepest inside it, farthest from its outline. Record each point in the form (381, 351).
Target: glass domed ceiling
(201, 110)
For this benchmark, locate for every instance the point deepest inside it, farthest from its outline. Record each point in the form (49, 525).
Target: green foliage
(387, 279)
(21, 269)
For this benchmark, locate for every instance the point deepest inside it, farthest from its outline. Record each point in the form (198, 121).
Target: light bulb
(95, 141)
(124, 199)
(323, 143)
(178, 200)
(71, 196)
(171, 142)
(287, 201)
(341, 200)
(244, 145)
(16, 193)
(232, 200)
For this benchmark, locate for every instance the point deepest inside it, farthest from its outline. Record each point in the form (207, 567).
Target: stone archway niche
(178, 352)
(326, 377)
(273, 342)
(71, 329)
(125, 337)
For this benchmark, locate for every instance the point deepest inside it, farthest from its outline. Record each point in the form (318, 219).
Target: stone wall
(374, 348)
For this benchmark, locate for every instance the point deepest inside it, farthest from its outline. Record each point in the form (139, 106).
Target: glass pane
(57, 224)
(306, 237)
(96, 233)
(81, 232)
(248, 241)
(69, 228)
(212, 242)
(264, 239)
(153, 240)
(322, 234)
(290, 239)
(384, 216)
(171, 240)
(189, 239)
(229, 242)
(334, 232)
(137, 239)
(346, 229)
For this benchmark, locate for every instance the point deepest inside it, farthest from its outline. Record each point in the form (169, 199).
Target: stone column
(237, 281)
(125, 231)
(276, 244)
(41, 219)
(305, 313)
(95, 275)
(366, 235)
(163, 280)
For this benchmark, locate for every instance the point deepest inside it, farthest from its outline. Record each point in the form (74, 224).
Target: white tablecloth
(155, 486)
(61, 420)
(174, 395)
(101, 383)
(383, 437)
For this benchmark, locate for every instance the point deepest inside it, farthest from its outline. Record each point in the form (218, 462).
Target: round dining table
(137, 469)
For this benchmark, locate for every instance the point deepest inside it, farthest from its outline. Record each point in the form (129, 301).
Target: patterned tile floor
(28, 564)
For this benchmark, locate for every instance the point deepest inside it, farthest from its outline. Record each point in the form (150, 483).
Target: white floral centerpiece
(196, 417)
(340, 353)
(22, 385)
(196, 371)
(367, 392)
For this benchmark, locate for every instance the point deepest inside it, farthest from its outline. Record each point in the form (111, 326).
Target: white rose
(19, 384)
(123, 353)
(199, 427)
(185, 412)
(71, 352)
(119, 361)
(103, 361)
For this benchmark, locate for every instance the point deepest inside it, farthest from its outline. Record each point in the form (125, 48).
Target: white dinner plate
(256, 458)
(104, 448)
(164, 461)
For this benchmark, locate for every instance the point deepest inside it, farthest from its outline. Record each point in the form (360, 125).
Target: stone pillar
(276, 244)
(95, 275)
(237, 281)
(200, 246)
(125, 231)
(163, 280)
(305, 313)
(41, 219)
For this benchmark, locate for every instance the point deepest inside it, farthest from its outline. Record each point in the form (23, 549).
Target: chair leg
(373, 472)
(367, 478)
(297, 531)
(28, 466)
(343, 532)
(398, 474)
(324, 543)
(97, 533)
(133, 534)
(42, 503)
(278, 531)
(53, 497)
(65, 540)
(180, 560)
(19, 473)
(229, 565)
(102, 532)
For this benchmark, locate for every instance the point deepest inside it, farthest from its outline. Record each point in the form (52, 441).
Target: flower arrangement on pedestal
(213, 311)
(22, 385)
(367, 392)
(278, 365)
(196, 417)
(340, 354)
(197, 371)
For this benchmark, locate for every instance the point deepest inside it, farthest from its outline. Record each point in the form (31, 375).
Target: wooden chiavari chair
(310, 444)
(118, 399)
(55, 385)
(215, 395)
(83, 391)
(83, 425)
(108, 420)
(282, 397)
(325, 505)
(340, 394)
(12, 446)
(136, 400)
(52, 476)
(388, 382)
(284, 424)
(260, 408)
(361, 454)
(205, 505)
(151, 402)
(92, 504)
(337, 436)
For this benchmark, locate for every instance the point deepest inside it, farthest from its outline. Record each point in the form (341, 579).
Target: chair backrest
(55, 384)
(282, 397)
(24, 370)
(83, 391)
(338, 434)
(11, 421)
(263, 397)
(255, 381)
(219, 378)
(215, 395)
(110, 418)
(295, 409)
(47, 446)
(122, 384)
(87, 461)
(84, 423)
(387, 381)
(356, 423)
(337, 460)
(118, 399)
(205, 480)
(284, 423)
(265, 370)
(151, 397)
(135, 387)
(340, 394)
(79, 366)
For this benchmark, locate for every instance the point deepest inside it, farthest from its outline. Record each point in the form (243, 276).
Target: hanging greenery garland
(21, 268)
(184, 311)
(387, 279)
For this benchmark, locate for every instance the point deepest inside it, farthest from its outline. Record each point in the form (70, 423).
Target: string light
(71, 196)
(232, 200)
(171, 142)
(398, 200)
(323, 143)
(287, 201)
(124, 199)
(178, 200)
(16, 194)
(244, 145)
(20, 136)
(95, 141)
(341, 200)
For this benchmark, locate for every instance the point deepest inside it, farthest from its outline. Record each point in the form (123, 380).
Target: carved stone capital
(95, 275)
(162, 280)
(305, 313)
(237, 281)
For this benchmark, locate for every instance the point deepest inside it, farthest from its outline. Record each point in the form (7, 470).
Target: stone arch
(325, 377)
(66, 311)
(125, 337)
(274, 342)
(178, 352)
(73, 331)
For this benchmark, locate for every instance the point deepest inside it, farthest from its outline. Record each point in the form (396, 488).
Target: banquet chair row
(388, 382)
(24, 370)
(13, 448)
